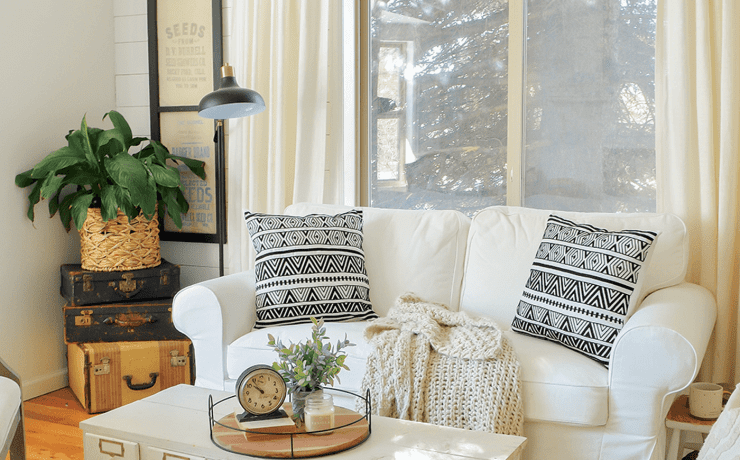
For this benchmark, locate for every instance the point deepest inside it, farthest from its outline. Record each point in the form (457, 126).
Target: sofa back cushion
(503, 241)
(408, 251)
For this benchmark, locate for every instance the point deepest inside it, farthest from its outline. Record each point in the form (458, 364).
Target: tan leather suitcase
(104, 376)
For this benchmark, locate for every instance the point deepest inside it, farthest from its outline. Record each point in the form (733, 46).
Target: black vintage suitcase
(139, 321)
(83, 287)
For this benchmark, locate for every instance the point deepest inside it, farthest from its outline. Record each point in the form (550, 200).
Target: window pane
(590, 105)
(439, 104)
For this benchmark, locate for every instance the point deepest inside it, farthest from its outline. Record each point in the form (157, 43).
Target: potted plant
(111, 191)
(305, 367)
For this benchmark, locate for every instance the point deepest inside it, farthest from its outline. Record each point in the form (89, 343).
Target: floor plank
(52, 426)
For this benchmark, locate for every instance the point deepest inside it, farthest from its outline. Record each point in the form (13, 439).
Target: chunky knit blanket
(432, 365)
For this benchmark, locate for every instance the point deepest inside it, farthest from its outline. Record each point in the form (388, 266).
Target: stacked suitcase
(121, 343)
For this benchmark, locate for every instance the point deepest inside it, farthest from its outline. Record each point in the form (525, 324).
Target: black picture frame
(156, 110)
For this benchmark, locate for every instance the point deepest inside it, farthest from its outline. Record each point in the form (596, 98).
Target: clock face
(260, 390)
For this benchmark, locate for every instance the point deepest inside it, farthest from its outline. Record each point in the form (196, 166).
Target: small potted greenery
(305, 367)
(96, 171)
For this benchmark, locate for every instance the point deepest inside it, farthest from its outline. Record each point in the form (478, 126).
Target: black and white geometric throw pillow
(583, 283)
(309, 266)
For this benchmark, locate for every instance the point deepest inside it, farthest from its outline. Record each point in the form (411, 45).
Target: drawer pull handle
(141, 386)
(105, 444)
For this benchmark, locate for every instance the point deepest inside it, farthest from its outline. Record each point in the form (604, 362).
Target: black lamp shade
(230, 101)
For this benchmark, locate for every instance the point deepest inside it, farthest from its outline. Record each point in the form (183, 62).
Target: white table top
(178, 418)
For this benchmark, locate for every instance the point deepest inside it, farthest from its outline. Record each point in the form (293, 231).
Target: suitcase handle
(130, 321)
(141, 386)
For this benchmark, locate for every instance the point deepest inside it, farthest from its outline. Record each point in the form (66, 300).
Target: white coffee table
(173, 425)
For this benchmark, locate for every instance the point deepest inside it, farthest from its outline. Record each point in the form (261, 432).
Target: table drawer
(105, 448)
(155, 453)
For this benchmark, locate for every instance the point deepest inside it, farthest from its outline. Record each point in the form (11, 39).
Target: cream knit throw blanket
(433, 365)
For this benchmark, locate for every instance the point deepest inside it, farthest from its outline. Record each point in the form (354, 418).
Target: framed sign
(185, 55)
(189, 135)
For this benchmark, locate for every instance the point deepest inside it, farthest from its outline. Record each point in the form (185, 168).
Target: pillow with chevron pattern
(583, 283)
(309, 266)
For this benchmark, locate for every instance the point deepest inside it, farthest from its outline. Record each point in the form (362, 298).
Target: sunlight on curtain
(290, 52)
(698, 105)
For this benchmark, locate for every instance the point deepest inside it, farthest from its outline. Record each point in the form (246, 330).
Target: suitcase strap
(129, 320)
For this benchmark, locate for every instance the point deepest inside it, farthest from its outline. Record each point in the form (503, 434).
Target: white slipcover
(574, 407)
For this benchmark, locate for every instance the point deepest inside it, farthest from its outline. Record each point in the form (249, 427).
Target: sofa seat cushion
(560, 385)
(252, 349)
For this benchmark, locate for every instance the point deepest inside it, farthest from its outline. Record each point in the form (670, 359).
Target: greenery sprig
(313, 363)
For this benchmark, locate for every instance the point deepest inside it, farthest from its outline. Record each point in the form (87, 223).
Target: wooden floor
(52, 426)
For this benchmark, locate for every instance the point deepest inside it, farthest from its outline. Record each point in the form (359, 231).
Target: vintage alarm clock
(261, 392)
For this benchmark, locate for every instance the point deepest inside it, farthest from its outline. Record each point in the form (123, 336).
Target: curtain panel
(289, 52)
(698, 154)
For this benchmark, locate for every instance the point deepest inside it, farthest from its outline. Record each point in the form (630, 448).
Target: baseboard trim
(44, 384)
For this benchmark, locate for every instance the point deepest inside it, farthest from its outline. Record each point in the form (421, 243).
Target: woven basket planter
(119, 245)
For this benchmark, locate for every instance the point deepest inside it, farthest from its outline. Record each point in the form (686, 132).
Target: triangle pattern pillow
(583, 284)
(309, 266)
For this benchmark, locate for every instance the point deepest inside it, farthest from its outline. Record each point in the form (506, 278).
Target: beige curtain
(287, 51)
(698, 153)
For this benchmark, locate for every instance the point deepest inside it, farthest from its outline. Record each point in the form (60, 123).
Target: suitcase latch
(177, 361)
(87, 283)
(102, 368)
(84, 318)
(128, 283)
(164, 277)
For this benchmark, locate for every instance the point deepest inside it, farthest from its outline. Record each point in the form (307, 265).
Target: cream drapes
(698, 153)
(287, 51)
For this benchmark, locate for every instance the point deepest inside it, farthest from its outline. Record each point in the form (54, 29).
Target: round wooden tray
(227, 435)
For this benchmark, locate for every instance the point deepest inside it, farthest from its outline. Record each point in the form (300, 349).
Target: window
(474, 103)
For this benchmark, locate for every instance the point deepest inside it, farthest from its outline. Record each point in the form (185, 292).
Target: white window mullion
(350, 94)
(516, 83)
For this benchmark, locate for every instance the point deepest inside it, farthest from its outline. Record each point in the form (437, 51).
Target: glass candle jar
(319, 412)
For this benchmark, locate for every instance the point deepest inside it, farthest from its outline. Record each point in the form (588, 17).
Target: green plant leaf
(131, 174)
(109, 202)
(121, 126)
(51, 185)
(148, 202)
(79, 208)
(59, 159)
(160, 152)
(106, 137)
(24, 179)
(197, 166)
(65, 211)
(82, 177)
(85, 143)
(167, 177)
(54, 204)
(173, 208)
(33, 198)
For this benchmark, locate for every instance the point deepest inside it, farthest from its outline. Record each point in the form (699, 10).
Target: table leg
(674, 444)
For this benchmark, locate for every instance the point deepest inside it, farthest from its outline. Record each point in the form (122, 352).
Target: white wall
(58, 63)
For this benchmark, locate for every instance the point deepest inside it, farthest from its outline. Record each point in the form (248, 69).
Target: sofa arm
(657, 354)
(213, 314)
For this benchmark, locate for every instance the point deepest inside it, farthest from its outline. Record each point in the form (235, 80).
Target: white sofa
(574, 407)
